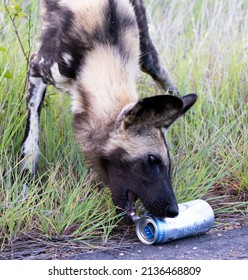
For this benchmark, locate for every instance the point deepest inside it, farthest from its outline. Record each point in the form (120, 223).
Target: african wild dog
(93, 50)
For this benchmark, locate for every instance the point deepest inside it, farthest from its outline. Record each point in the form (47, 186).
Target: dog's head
(137, 160)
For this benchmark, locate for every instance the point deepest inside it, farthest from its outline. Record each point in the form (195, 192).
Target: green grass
(204, 45)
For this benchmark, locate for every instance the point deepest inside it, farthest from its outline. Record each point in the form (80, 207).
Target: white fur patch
(57, 77)
(61, 82)
(42, 61)
(30, 147)
(67, 58)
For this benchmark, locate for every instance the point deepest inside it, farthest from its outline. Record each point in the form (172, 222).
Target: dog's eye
(153, 160)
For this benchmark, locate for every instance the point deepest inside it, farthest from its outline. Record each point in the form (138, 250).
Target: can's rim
(144, 221)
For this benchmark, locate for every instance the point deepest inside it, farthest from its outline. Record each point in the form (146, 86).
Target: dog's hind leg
(149, 60)
(35, 96)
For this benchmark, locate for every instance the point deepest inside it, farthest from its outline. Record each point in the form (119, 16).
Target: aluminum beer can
(195, 217)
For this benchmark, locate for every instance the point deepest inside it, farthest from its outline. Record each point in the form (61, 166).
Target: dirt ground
(224, 245)
(224, 241)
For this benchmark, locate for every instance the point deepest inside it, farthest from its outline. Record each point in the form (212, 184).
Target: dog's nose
(172, 211)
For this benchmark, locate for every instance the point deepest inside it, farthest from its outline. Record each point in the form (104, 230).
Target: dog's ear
(188, 101)
(156, 111)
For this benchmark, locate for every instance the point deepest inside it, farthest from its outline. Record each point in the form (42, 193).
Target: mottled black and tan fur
(93, 50)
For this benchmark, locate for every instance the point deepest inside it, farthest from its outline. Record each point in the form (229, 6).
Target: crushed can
(195, 217)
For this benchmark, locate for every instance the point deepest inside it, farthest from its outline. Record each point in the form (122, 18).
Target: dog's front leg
(35, 96)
